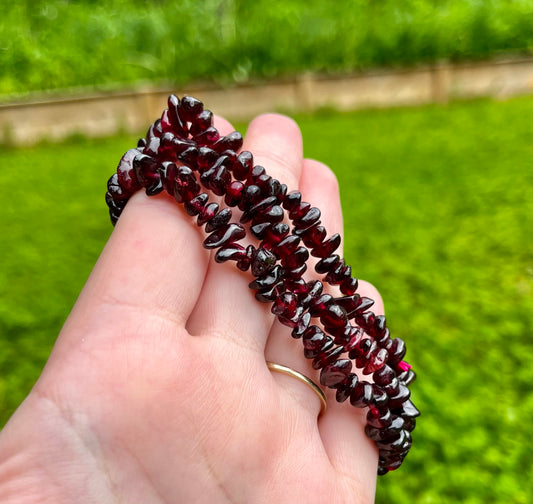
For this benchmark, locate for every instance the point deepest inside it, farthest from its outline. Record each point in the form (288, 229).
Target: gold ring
(299, 376)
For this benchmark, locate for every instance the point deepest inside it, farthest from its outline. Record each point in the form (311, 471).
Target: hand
(157, 388)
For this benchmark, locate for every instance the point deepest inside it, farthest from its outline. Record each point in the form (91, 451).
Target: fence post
(441, 82)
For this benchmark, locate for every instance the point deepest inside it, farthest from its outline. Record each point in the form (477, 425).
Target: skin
(157, 389)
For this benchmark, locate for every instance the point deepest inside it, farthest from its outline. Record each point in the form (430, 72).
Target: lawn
(51, 44)
(438, 206)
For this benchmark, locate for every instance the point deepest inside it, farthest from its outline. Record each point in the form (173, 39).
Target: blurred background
(437, 196)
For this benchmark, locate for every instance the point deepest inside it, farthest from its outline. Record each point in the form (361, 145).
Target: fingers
(343, 428)
(319, 187)
(226, 302)
(153, 266)
(276, 143)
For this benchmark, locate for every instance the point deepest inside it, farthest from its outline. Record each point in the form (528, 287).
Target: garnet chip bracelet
(184, 154)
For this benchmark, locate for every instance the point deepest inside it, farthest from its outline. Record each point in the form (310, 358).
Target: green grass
(438, 206)
(50, 44)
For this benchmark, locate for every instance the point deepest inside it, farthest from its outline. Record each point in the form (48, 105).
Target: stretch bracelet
(184, 154)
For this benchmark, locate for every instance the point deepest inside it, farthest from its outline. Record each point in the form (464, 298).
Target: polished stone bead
(268, 279)
(153, 131)
(310, 218)
(377, 360)
(335, 373)
(354, 337)
(218, 177)
(299, 211)
(320, 305)
(373, 433)
(381, 398)
(272, 215)
(315, 341)
(166, 125)
(349, 286)
(220, 180)
(298, 286)
(256, 172)
(400, 397)
(296, 259)
(363, 358)
(354, 304)
(361, 348)
(168, 172)
(233, 142)
(244, 263)
(174, 116)
(327, 264)
(259, 230)
(262, 262)
(292, 200)
(365, 320)
(333, 316)
(327, 247)
(287, 246)
(396, 352)
(234, 193)
(224, 236)
(342, 334)
(233, 252)
(264, 182)
(327, 357)
(261, 206)
(384, 376)
(186, 186)
(126, 176)
(349, 303)
(410, 423)
(207, 137)
(379, 418)
(383, 338)
(314, 236)
(154, 187)
(268, 295)
(312, 291)
(170, 146)
(285, 305)
(114, 189)
(362, 394)
(201, 122)
(301, 327)
(394, 444)
(114, 212)
(345, 389)
(189, 157)
(189, 108)
(275, 234)
(196, 204)
(292, 322)
(392, 388)
(207, 213)
(206, 158)
(295, 273)
(380, 325)
(271, 188)
(243, 166)
(251, 195)
(407, 377)
(337, 275)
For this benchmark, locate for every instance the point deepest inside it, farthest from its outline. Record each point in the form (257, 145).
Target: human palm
(157, 389)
